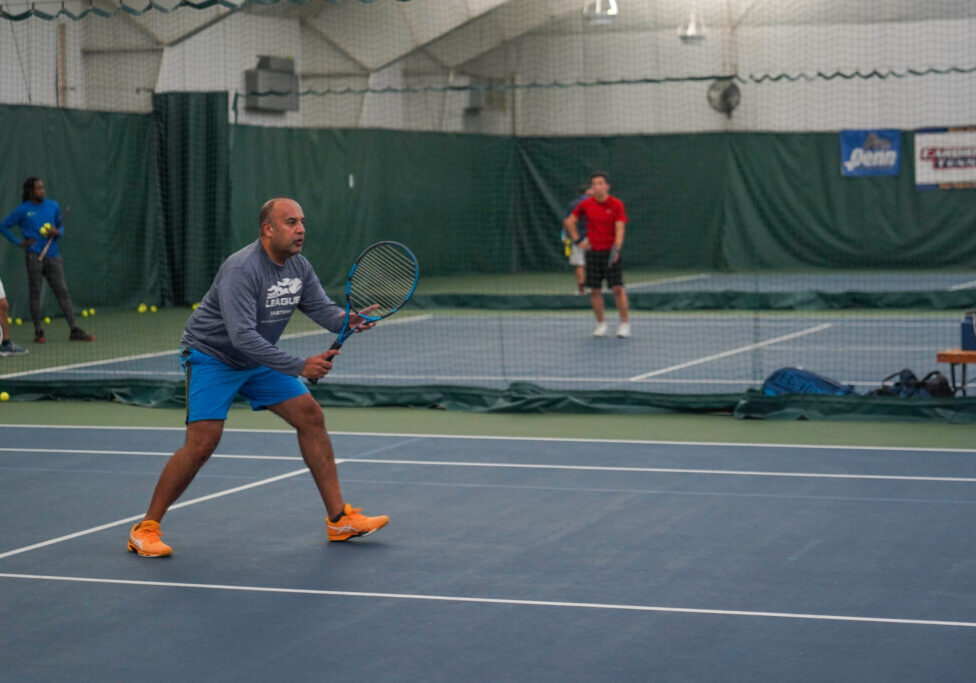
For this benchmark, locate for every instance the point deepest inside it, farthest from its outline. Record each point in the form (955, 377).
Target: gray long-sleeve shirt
(246, 309)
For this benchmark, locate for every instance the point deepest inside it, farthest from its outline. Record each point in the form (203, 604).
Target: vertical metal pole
(514, 98)
(62, 75)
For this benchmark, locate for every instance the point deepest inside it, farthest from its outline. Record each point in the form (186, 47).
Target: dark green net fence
(747, 250)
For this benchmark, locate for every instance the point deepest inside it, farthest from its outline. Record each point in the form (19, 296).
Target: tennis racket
(384, 275)
(50, 240)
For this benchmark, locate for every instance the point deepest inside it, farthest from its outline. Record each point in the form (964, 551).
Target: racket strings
(384, 275)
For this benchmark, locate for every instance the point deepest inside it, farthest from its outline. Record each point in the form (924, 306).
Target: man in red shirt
(605, 223)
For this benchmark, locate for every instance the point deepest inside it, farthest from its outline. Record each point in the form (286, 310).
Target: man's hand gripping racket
(382, 279)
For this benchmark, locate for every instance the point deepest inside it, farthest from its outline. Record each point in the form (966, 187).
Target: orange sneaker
(353, 524)
(144, 539)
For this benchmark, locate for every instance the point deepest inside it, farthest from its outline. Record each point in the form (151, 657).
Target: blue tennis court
(505, 558)
(676, 353)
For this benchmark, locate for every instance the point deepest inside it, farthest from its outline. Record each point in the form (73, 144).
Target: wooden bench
(956, 357)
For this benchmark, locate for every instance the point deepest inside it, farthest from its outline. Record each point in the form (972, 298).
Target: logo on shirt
(285, 292)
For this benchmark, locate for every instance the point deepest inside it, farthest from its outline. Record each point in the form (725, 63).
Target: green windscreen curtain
(786, 205)
(447, 196)
(191, 136)
(671, 187)
(158, 201)
(95, 165)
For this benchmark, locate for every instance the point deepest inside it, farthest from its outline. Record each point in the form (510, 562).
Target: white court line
(175, 352)
(661, 470)
(554, 439)
(490, 601)
(141, 356)
(730, 352)
(164, 454)
(964, 285)
(120, 522)
(668, 280)
(218, 494)
(519, 465)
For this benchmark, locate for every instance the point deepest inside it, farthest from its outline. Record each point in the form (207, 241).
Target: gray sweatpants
(52, 270)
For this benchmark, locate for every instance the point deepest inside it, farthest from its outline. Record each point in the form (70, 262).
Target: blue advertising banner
(870, 152)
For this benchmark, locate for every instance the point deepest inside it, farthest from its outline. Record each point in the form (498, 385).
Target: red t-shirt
(600, 220)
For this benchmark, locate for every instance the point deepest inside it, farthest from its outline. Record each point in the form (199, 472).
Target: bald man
(229, 348)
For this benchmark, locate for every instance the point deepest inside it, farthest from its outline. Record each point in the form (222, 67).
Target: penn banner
(945, 158)
(870, 152)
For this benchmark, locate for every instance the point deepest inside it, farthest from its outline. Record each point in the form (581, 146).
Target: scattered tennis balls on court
(47, 318)
(153, 309)
(142, 308)
(4, 396)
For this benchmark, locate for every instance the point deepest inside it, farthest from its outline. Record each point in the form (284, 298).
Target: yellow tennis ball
(91, 311)
(142, 308)
(84, 313)
(195, 306)
(18, 321)
(4, 396)
(153, 309)
(47, 318)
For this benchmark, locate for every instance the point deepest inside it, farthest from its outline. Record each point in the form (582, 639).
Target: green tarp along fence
(158, 200)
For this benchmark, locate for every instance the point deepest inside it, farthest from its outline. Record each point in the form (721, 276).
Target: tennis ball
(91, 311)
(18, 321)
(84, 313)
(4, 396)
(153, 309)
(45, 229)
(47, 319)
(195, 306)
(9, 320)
(142, 308)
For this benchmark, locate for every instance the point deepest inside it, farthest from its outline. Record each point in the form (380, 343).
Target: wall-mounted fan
(724, 96)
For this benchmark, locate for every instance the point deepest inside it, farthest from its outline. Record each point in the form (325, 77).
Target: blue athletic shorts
(211, 386)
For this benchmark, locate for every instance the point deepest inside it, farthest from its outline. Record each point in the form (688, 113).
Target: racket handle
(46, 247)
(336, 345)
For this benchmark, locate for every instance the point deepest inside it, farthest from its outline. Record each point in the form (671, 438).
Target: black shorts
(597, 270)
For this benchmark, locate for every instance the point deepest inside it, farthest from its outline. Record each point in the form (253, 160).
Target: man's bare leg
(622, 302)
(596, 302)
(201, 441)
(305, 415)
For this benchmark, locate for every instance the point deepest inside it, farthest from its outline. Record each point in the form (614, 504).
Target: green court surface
(679, 427)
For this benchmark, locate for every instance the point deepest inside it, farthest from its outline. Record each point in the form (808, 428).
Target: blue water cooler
(969, 332)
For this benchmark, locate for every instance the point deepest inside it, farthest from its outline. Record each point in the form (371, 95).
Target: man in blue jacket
(34, 214)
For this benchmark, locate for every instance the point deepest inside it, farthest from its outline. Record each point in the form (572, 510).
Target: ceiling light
(600, 12)
(693, 30)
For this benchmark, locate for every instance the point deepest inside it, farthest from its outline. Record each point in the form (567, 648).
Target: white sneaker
(623, 331)
(601, 330)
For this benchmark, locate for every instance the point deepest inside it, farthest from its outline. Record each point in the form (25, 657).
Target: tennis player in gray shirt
(229, 348)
